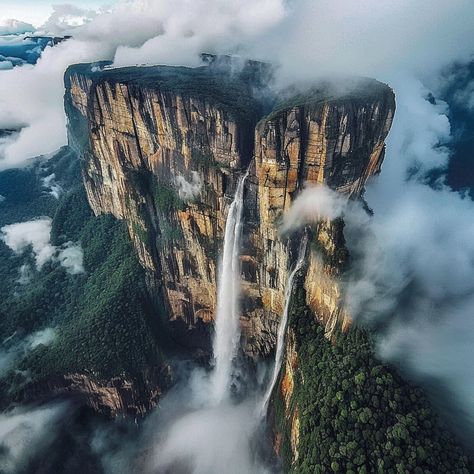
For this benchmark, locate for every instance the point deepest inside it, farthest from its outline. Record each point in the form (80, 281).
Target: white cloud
(31, 97)
(49, 182)
(370, 37)
(72, 258)
(188, 28)
(414, 260)
(15, 27)
(34, 233)
(25, 274)
(67, 17)
(37, 234)
(189, 190)
(13, 348)
(24, 433)
(465, 96)
(44, 337)
(6, 65)
(313, 204)
(418, 236)
(211, 440)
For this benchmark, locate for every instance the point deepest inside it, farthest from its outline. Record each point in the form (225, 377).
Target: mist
(17, 346)
(25, 432)
(189, 433)
(414, 270)
(35, 235)
(131, 32)
(189, 190)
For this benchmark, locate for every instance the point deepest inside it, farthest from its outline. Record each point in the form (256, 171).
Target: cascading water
(211, 433)
(227, 328)
(282, 329)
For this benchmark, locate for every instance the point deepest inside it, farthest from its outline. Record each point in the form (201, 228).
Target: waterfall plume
(227, 329)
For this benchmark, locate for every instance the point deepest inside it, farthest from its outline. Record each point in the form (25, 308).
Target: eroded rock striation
(163, 148)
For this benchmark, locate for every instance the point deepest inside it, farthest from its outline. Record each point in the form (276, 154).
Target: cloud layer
(15, 27)
(413, 260)
(13, 347)
(307, 38)
(36, 234)
(313, 204)
(24, 433)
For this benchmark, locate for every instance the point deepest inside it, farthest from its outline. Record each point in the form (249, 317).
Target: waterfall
(282, 329)
(227, 325)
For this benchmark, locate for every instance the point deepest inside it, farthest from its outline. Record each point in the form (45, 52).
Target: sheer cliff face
(338, 142)
(163, 149)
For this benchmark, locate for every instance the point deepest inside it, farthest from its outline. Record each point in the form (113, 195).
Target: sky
(37, 12)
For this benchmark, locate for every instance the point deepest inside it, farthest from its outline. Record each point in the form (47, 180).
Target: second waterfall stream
(280, 348)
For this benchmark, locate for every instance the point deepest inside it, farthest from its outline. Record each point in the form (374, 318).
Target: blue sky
(38, 11)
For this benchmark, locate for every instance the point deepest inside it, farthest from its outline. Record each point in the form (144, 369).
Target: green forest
(102, 318)
(357, 415)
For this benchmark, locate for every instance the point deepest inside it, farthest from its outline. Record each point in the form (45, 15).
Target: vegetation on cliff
(356, 414)
(102, 319)
(230, 86)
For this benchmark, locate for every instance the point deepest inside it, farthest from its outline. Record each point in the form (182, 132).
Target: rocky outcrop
(116, 397)
(163, 149)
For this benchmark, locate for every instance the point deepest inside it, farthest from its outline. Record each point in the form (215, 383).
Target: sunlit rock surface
(146, 134)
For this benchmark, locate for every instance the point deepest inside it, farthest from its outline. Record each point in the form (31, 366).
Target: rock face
(163, 148)
(116, 397)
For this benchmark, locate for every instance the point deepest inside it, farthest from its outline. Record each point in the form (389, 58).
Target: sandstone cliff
(117, 397)
(163, 148)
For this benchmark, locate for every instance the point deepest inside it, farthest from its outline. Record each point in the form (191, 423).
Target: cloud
(49, 182)
(15, 347)
(71, 258)
(66, 17)
(6, 65)
(31, 100)
(25, 274)
(191, 433)
(414, 260)
(412, 277)
(370, 37)
(189, 190)
(36, 234)
(26, 432)
(187, 30)
(313, 204)
(228, 429)
(174, 32)
(44, 337)
(15, 27)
